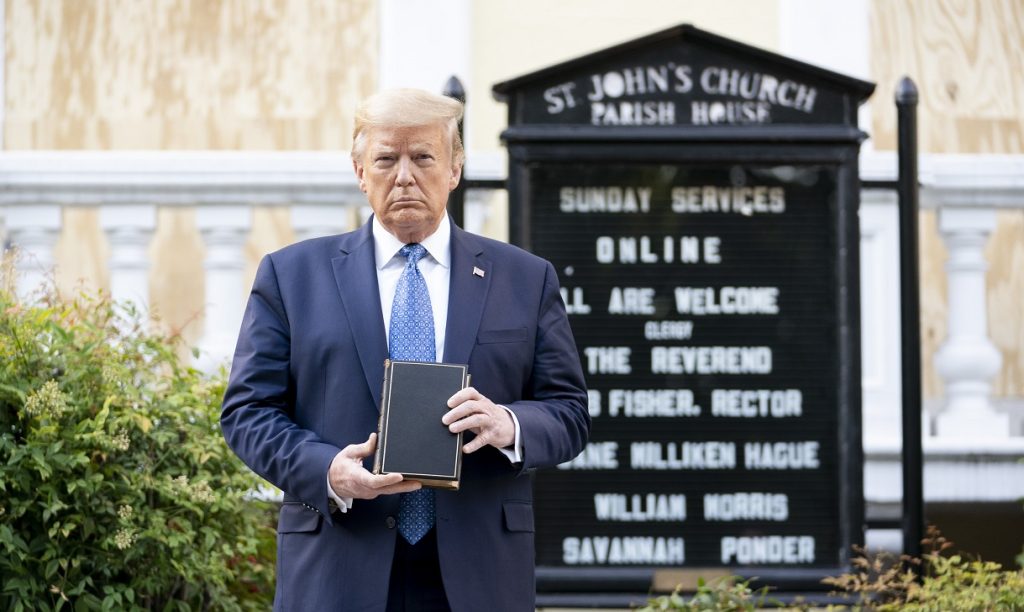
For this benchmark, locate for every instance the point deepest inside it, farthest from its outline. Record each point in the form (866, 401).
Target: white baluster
(224, 230)
(968, 360)
(129, 230)
(34, 231)
(476, 208)
(315, 220)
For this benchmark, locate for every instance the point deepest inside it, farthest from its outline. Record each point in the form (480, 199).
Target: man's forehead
(419, 136)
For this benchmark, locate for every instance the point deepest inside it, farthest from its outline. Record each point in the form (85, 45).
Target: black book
(411, 439)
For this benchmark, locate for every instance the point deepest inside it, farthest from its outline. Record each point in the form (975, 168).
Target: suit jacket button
(390, 522)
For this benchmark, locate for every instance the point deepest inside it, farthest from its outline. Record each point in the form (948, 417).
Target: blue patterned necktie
(411, 338)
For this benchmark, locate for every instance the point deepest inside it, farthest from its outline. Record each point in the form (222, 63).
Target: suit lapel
(467, 294)
(356, 276)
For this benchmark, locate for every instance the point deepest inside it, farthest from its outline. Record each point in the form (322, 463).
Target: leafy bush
(727, 594)
(117, 490)
(947, 583)
(881, 583)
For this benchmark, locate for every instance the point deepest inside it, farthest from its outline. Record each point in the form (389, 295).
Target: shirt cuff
(343, 503)
(514, 453)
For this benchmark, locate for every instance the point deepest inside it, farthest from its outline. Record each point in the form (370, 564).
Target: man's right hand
(349, 478)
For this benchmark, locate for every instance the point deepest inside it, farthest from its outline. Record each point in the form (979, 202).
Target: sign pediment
(683, 76)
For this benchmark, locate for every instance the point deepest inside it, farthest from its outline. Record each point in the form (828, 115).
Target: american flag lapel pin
(478, 272)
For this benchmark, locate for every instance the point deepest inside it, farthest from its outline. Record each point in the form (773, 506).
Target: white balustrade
(224, 230)
(33, 230)
(129, 230)
(316, 220)
(324, 198)
(968, 360)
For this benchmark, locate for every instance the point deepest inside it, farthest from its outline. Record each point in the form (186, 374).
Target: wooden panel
(186, 74)
(966, 57)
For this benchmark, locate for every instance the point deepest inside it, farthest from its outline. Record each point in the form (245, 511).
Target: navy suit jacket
(306, 382)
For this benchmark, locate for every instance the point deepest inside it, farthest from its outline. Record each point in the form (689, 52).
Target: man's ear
(358, 168)
(453, 180)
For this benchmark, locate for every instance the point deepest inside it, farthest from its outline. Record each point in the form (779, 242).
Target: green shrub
(952, 582)
(727, 594)
(881, 583)
(117, 490)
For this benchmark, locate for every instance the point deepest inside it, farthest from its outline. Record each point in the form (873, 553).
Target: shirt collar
(438, 244)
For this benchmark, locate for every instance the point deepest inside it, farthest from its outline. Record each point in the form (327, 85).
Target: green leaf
(101, 417)
(17, 392)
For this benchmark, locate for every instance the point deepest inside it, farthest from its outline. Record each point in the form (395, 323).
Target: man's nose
(405, 176)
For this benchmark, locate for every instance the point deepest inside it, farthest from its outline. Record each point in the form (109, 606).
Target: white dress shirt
(435, 267)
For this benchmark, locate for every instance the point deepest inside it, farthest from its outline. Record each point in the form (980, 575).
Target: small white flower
(124, 539)
(121, 441)
(202, 493)
(48, 400)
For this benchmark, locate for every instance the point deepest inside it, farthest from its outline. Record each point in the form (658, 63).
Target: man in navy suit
(303, 397)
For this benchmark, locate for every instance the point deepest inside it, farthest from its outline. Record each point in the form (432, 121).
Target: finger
(378, 488)
(475, 444)
(381, 481)
(364, 449)
(476, 422)
(463, 395)
(460, 412)
(406, 486)
(365, 485)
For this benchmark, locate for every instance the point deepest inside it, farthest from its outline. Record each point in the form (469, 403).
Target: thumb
(358, 451)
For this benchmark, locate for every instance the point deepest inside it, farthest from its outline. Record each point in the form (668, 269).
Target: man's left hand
(471, 411)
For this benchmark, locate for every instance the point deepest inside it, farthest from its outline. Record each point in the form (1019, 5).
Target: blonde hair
(408, 108)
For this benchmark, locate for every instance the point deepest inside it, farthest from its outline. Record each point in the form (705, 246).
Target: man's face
(406, 174)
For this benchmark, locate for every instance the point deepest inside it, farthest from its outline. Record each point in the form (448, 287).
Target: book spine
(467, 381)
(378, 455)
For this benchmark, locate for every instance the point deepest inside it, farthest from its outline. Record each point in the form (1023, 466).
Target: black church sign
(698, 198)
